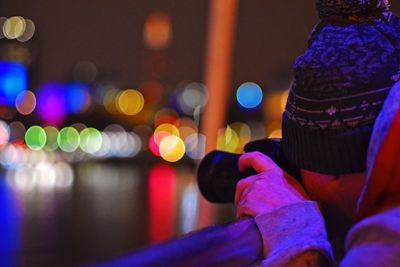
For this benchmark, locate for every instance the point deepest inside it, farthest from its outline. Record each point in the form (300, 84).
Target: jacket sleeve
(295, 235)
(374, 241)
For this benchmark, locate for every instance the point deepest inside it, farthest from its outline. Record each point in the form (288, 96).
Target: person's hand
(271, 189)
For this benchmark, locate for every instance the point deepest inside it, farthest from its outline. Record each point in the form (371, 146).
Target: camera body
(218, 172)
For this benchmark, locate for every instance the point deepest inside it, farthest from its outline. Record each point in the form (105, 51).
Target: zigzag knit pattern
(345, 74)
(339, 86)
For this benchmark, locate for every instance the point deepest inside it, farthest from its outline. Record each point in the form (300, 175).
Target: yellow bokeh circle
(130, 102)
(172, 148)
(164, 130)
(228, 140)
(14, 27)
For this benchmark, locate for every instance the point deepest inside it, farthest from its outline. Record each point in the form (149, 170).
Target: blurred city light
(100, 89)
(275, 134)
(284, 97)
(274, 106)
(44, 175)
(228, 140)
(249, 95)
(189, 208)
(52, 134)
(35, 137)
(192, 96)
(51, 103)
(17, 27)
(153, 146)
(116, 142)
(11, 219)
(257, 130)
(163, 131)
(29, 31)
(11, 156)
(133, 146)
(4, 134)
(90, 140)
(186, 127)
(162, 201)
(13, 80)
(172, 148)
(165, 115)
(244, 133)
(157, 32)
(105, 149)
(17, 132)
(109, 100)
(68, 139)
(64, 175)
(195, 145)
(14, 27)
(25, 102)
(130, 102)
(77, 97)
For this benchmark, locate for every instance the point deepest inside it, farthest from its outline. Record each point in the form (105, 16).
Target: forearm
(295, 235)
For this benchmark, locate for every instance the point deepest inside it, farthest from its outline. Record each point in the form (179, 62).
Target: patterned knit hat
(339, 85)
(328, 8)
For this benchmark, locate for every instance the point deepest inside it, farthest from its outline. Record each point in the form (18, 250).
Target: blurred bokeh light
(157, 30)
(77, 97)
(25, 102)
(13, 80)
(228, 140)
(35, 137)
(68, 139)
(52, 135)
(195, 145)
(192, 96)
(28, 32)
(130, 102)
(14, 27)
(90, 140)
(172, 148)
(4, 133)
(249, 95)
(51, 103)
(17, 132)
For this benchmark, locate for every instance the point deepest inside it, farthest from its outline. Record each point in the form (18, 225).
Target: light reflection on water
(57, 213)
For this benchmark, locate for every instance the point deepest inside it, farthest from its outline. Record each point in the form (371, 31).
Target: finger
(258, 161)
(242, 185)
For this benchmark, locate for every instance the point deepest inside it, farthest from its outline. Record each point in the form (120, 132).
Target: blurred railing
(234, 244)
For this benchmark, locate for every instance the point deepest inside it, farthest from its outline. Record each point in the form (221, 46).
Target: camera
(218, 172)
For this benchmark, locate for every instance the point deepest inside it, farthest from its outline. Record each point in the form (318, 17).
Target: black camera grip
(218, 172)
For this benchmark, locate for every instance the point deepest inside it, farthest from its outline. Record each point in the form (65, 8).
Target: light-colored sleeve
(295, 235)
(374, 241)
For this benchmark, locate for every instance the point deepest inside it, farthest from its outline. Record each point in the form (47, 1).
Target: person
(293, 229)
(339, 86)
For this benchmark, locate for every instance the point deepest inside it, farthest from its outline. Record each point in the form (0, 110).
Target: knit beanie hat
(328, 8)
(340, 84)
